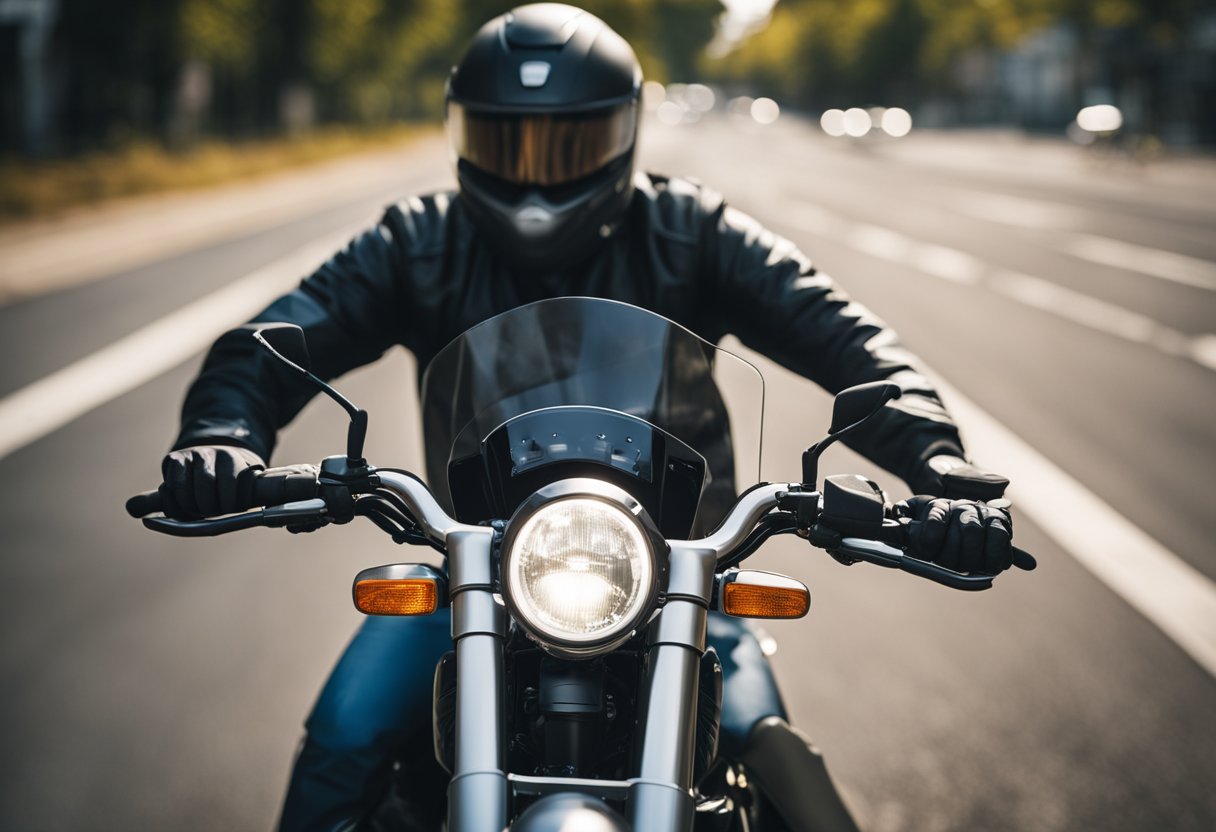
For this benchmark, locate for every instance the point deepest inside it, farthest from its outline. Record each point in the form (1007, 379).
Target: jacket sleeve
(773, 299)
(349, 311)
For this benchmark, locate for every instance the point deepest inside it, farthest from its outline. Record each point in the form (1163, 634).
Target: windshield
(599, 353)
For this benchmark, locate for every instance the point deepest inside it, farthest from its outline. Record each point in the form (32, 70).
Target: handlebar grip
(276, 486)
(272, 487)
(147, 502)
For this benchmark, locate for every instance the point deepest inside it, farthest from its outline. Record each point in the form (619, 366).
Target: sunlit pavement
(158, 683)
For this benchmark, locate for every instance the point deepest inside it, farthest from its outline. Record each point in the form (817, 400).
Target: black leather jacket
(423, 276)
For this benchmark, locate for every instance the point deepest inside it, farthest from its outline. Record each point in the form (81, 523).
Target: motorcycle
(579, 488)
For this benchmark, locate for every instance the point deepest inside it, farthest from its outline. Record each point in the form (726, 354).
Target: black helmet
(542, 116)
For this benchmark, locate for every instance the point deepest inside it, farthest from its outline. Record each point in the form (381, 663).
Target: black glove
(207, 481)
(946, 475)
(962, 535)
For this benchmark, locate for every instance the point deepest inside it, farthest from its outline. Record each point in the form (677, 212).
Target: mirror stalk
(356, 434)
(810, 460)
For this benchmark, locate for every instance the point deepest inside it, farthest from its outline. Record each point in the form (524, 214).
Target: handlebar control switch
(853, 506)
(804, 505)
(338, 478)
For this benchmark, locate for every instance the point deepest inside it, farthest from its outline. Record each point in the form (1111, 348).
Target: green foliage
(346, 61)
(221, 32)
(820, 52)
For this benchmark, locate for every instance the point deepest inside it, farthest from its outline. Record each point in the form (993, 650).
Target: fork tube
(661, 795)
(477, 795)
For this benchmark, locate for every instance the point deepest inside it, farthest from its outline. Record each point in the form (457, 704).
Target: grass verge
(37, 189)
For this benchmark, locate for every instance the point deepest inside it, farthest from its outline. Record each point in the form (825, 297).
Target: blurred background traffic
(1022, 188)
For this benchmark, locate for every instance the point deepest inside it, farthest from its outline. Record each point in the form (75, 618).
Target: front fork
(660, 796)
(667, 719)
(477, 794)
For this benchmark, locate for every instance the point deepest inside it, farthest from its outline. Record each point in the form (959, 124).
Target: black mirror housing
(856, 404)
(288, 341)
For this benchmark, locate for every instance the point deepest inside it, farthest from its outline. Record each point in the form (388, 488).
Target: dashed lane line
(1166, 265)
(962, 268)
(1061, 220)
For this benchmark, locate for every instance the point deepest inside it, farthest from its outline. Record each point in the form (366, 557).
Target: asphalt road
(154, 683)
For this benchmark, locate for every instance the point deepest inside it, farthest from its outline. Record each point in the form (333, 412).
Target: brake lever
(871, 551)
(204, 528)
(272, 517)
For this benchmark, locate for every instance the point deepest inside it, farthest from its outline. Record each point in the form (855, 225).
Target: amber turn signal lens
(412, 596)
(757, 601)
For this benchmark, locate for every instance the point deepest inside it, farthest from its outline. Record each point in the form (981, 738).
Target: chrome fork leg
(661, 794)
(477, 795)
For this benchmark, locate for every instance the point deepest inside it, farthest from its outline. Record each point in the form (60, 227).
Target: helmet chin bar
(534, 217)
(533, 230)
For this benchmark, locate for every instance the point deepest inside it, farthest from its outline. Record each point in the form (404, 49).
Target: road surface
(1068, 302)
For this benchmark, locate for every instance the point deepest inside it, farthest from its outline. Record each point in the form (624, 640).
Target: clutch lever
(872, 551)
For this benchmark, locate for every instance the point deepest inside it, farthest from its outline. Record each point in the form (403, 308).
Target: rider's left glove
(208, 480)
(963, 535)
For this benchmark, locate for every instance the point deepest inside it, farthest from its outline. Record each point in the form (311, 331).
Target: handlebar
(292, 494)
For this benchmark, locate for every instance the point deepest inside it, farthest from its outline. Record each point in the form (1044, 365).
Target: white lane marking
(1203, 350)
(1170, 593)
(55, 400)
(1167, 265)
(1023, 213)
(885, 244)
(882, 243)
(947, 263)
(1091, 312)
(1050, 216)
(960, 267)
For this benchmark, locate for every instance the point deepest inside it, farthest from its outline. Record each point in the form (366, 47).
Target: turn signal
(751, 594)
(412, 596)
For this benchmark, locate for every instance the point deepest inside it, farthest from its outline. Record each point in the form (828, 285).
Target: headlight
(579, 572)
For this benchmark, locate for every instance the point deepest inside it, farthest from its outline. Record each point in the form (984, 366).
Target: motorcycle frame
(661, 793)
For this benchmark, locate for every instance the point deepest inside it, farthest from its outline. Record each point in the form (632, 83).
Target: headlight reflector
(579, 570)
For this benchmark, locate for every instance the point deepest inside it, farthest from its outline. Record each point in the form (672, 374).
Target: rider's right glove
(207, 481)
(963, 535)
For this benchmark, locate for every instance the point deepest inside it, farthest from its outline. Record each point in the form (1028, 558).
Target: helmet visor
(541, 149)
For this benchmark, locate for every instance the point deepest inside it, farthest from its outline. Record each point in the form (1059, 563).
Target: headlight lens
(579, 570)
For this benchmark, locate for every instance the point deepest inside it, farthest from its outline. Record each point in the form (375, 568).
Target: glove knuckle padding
(205, 481)
(936, 526)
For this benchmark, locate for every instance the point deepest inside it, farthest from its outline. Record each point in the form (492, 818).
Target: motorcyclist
(542, 116)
